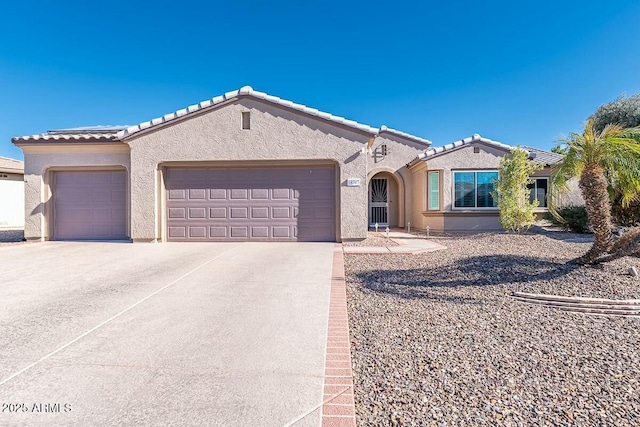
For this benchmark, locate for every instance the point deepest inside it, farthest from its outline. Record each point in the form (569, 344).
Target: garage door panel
(239, 232)
(218, 194)
(253, 203)
(239, 194)
(198, 232)
(236, 213)
(197, 194)
(281, 212)
(177, 213)
(217, 213)
(177, 231)
(282, 232)
(260, 232)
(281, 193)
(177, 194)
(259, 193)
(89, 205)
(260, 213)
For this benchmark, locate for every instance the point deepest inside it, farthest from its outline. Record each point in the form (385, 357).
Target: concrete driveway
(163, 334)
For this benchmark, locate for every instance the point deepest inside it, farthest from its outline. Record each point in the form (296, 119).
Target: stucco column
(144, 214)
(34, 205)
(353, 200)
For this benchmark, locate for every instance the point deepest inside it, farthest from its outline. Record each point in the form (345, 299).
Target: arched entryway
(385, 204)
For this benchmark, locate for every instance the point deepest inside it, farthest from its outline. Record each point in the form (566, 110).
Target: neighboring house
(242, 166)
(11, 193)
(458, 180)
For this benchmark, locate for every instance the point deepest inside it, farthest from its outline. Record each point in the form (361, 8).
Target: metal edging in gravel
(592, 306)
(338, 408)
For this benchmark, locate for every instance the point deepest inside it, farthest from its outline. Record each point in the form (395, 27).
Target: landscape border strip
(338, 409)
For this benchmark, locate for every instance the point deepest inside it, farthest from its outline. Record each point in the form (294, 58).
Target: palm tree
(600, 159)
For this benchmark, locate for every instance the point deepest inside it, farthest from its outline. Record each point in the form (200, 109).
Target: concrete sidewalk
(407, 244)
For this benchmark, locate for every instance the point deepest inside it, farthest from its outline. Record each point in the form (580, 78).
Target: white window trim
(453, 191)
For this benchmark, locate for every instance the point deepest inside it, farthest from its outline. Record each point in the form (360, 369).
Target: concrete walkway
(407, 244)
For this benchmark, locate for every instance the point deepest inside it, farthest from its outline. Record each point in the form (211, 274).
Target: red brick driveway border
(338, 409)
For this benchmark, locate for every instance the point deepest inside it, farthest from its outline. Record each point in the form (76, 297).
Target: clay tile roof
(540, 156)
(88, 133)
(466, 141)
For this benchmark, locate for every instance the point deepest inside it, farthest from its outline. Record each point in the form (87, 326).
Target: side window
(433, 191)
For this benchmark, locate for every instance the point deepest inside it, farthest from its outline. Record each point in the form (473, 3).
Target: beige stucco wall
(11, 200)
(276, 135)
(42, 161)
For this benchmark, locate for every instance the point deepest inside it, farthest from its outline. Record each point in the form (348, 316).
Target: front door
(378, 202)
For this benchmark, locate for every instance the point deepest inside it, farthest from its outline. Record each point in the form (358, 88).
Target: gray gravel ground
(436, 339)
(10, 236)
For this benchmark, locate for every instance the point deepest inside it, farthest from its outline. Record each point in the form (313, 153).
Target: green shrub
(516, 211)
(628, 216)
(575, 218)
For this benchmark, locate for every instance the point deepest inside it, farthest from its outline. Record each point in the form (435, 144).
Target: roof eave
(28, 141)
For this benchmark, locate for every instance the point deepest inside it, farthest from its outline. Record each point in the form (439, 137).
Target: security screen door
(378, 202)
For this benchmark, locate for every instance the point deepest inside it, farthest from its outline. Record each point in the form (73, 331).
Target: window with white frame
(472, 189)
(538, 190)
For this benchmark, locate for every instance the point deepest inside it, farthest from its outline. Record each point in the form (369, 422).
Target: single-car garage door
(90, 205)
(244, 204)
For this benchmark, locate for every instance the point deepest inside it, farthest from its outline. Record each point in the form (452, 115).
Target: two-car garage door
(247, 204)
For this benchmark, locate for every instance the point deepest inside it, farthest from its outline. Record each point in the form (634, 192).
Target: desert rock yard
(437, 339)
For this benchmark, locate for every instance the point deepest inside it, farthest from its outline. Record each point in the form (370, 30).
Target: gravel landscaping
(8, 237)
(437, 339)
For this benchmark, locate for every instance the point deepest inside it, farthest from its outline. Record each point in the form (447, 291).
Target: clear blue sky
(517, 72)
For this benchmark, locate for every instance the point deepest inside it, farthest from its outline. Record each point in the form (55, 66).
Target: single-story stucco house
(251, 166)
(11, 193)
